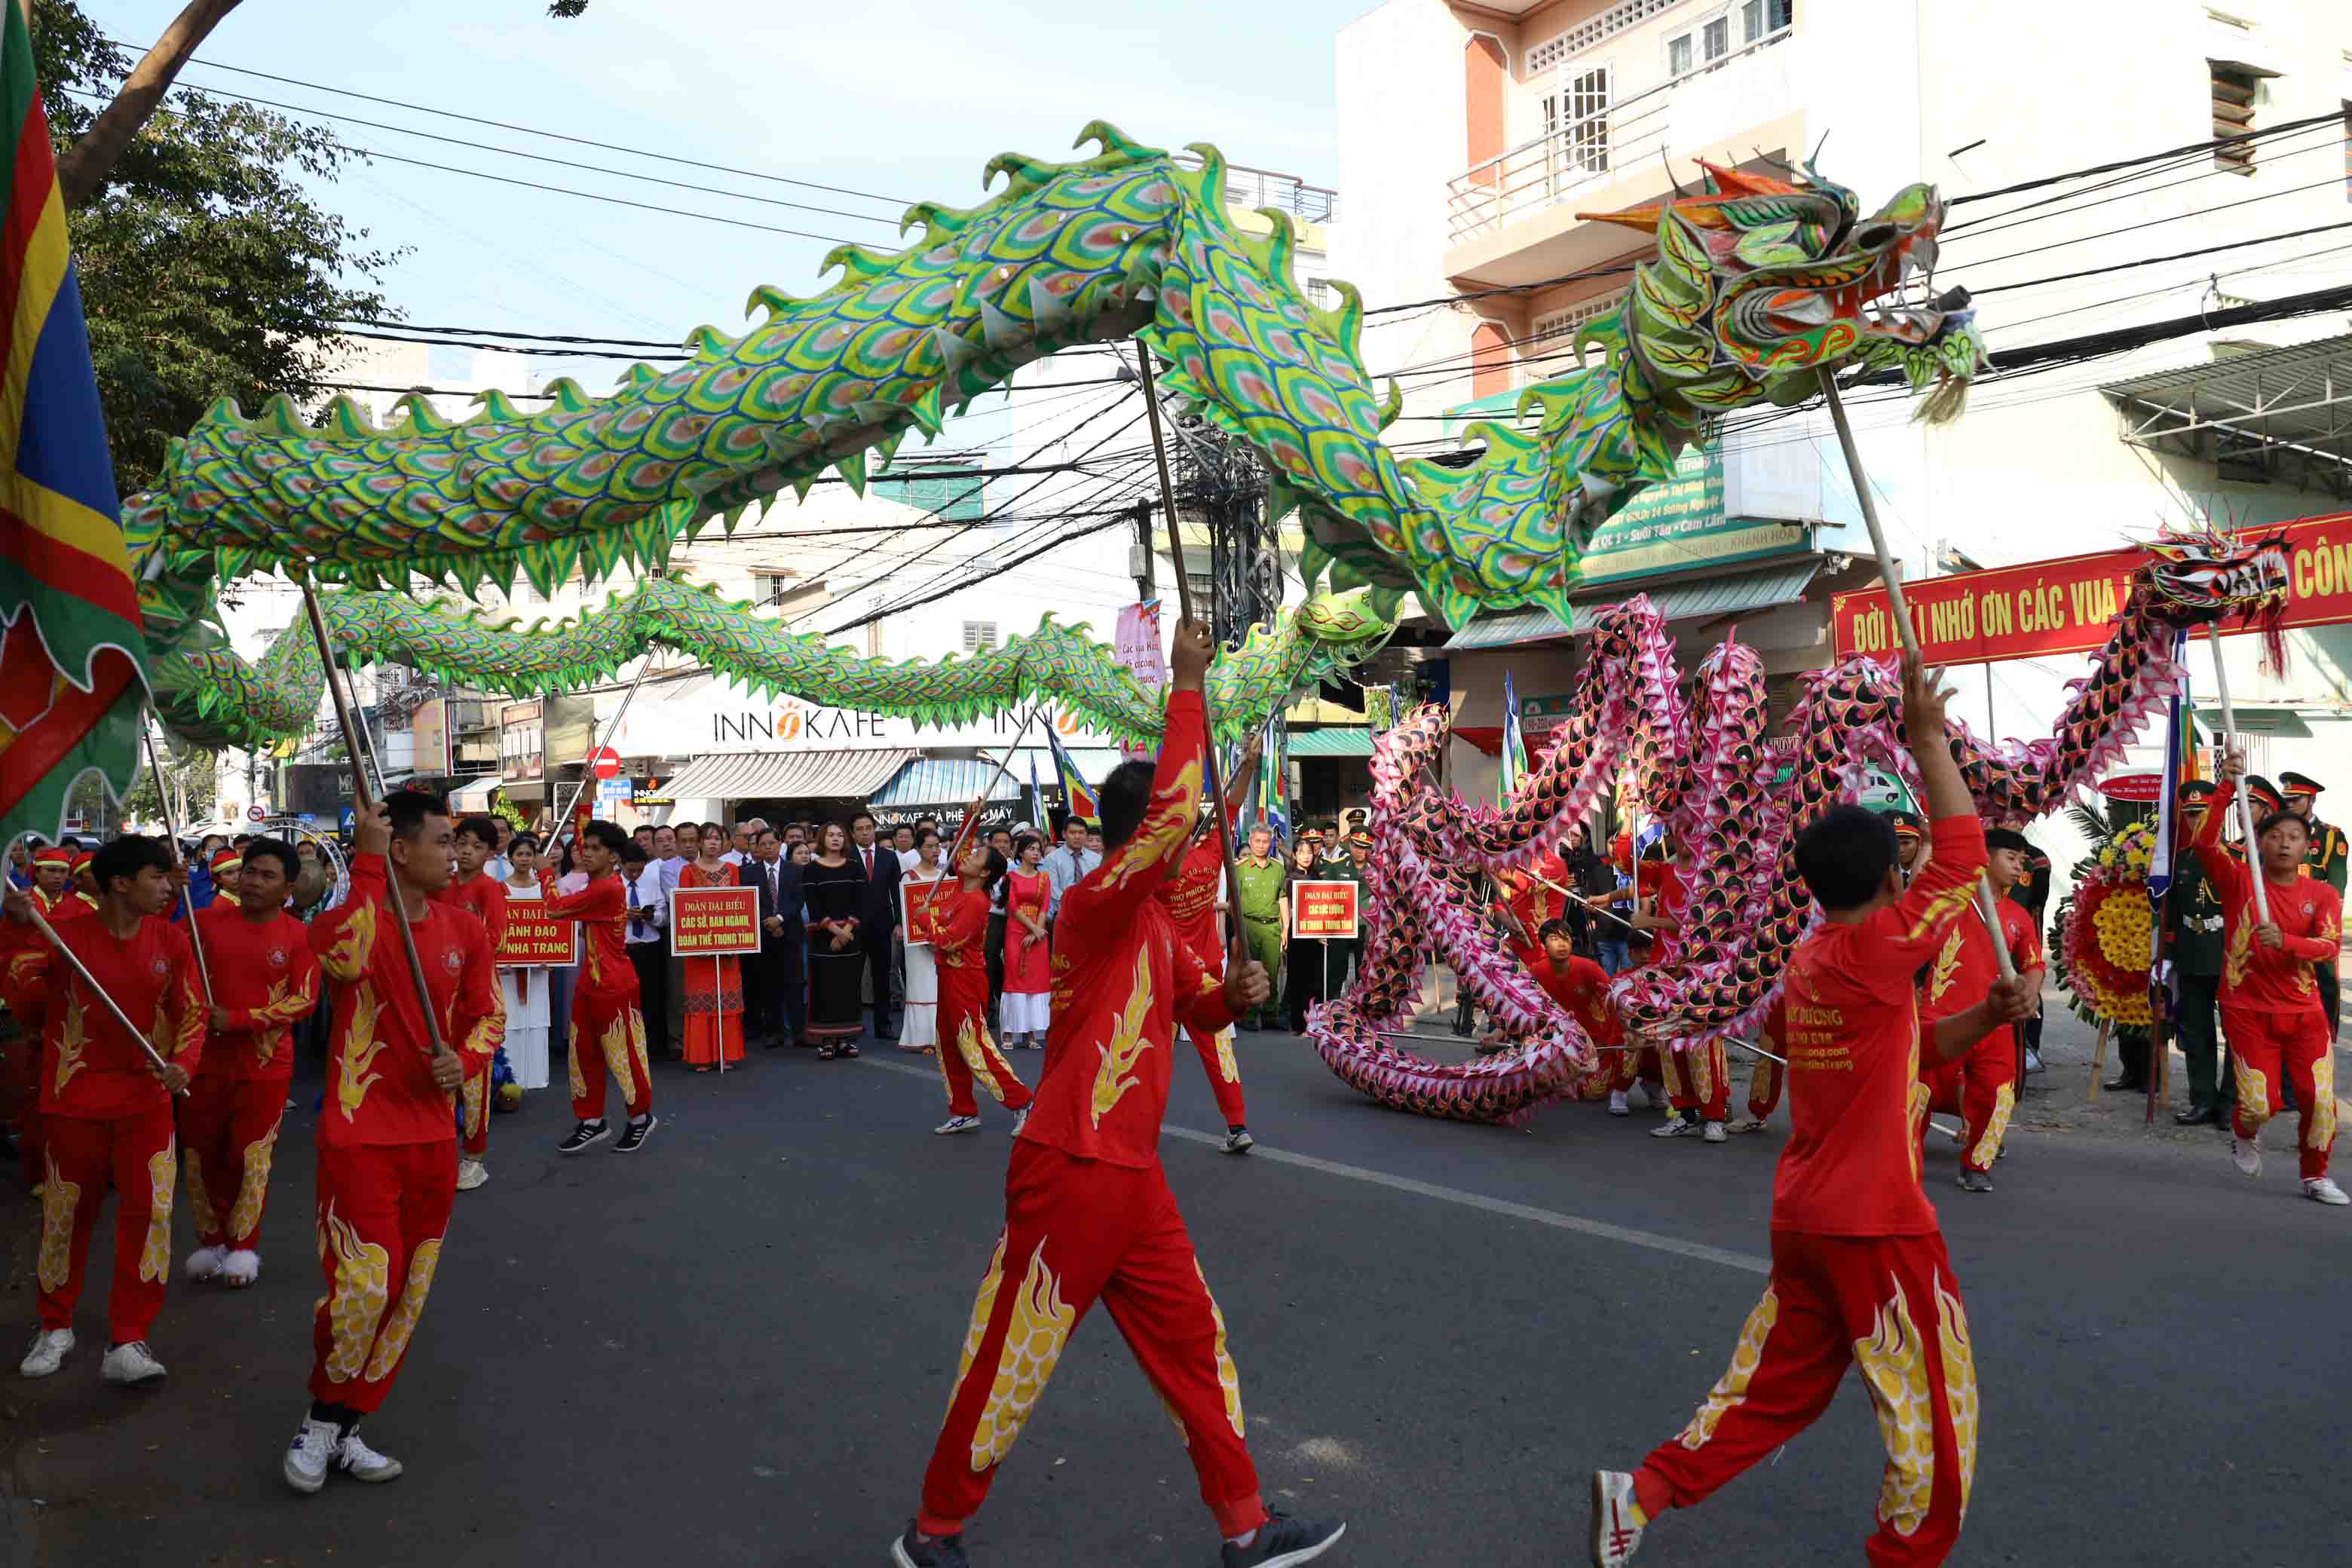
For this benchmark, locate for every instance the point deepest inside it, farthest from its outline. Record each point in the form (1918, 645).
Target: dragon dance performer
(1982, 1084)
(387, 1155)
(55, 896)
(1768, 1078)
(484, 897)
(2270, 999)
(1577, 983)
(106, 1107)
(2329, 858)
(967, 1051)
(265, 981)
(225, 867)
(604, 1014)
(1859, 1270)
(1088, 1216)
(1697, 1077)
(1192, 895)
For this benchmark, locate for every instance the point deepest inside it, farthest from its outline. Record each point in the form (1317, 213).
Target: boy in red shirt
(2270, 997)
(485, 897)
(265, 981)
(604, 1015)
(1982, 1084)
(1088, 1216)
(1577, 983)
(1859, 1272)
(106, 1107)
(387, 1136)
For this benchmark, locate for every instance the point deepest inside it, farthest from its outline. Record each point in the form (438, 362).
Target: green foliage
(191, 769)
(208, 270)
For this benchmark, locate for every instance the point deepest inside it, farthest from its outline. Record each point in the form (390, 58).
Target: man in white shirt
(669, 860)
(649, 953)
(747, 832)
(1069, 861)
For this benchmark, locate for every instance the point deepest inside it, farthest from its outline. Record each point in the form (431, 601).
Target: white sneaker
(1020, 1120)
(1649, 1102)
(957, 1124)
(471, 1173)
(129, 1365)
(241, 1268)
(1238, 1140)
(2320, 1190)
(1714, 1133)
(1675, 1126)
(362, 1463)
(2246, 1153)
(2033, 1061)
(1615, 1536)
(307, 1458)
(1617, 1106)
(203, 1262)
(1752, 1124)
(46, 1352)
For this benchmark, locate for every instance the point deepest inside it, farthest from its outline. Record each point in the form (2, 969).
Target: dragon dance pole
(171, 838)
(602, 740)
(1901, 609)
(2245, 802)
(49, 931)
(437, 1046)
(1184, 601)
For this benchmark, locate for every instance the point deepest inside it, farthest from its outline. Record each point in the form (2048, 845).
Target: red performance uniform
(1982, 1084)
(1089, 1214)
(1527, 898)
(2270, 997)
(1190, 896)
(1581, 988)
(485, 897)
(966, 1049)
(1859, 1271)
(266, 979)
(605, 998)
(387, 1173)
(106, 1119)
(1764, 1084)
(23, 1074)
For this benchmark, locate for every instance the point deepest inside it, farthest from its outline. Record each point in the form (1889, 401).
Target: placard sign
(534, 940)
(1325, 910)
(709, 922)
(923, 909)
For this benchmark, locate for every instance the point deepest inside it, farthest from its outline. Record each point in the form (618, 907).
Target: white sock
(1241, 1540)
(641, 1118)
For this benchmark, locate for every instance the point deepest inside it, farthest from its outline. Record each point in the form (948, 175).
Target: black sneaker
(633, 1135)
(1973, 1181)
(585, 1135)
(1282, 1542)
(1238, 1140)
(946, 1552)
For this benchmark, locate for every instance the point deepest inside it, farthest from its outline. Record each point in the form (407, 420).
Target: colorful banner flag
(73, 679)
(1079, 794)
(1273, 776)
(1514, 746)
(2180, 767)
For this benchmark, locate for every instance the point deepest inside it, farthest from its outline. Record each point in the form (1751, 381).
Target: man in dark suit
(877, 914)
(775, 1008)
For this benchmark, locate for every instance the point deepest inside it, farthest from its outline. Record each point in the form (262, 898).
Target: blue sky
(902, 100)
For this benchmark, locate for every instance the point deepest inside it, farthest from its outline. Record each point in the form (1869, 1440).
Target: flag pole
(1184, 600)
(1901, 610)
(970, 829)
(435, 1046)
(611, 728)
(2245, 801)
(171, 838)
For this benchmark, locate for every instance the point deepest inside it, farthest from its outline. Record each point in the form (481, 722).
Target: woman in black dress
(833, 886)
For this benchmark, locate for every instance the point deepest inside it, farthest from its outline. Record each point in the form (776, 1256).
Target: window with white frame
(1576, 122)
(1711, 38)
(979, 637)
(1549, 350)
(1318, 293)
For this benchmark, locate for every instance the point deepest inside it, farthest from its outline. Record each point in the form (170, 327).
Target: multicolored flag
(1515, 747)
(73, 678)
(1079, 794)
(2180, 767)
(1273, 770)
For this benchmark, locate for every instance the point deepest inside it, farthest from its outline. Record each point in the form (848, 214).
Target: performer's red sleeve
(344, 937)
(600, 900)
(25, 972)
(478, 1014)
(2325, 945)
(1907, 933)
(1200, 995)
(185, 1004)
(2228, 874)
(1133, 872)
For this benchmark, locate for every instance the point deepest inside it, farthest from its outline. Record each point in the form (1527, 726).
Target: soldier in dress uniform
(2327, 861)
(2192, 913)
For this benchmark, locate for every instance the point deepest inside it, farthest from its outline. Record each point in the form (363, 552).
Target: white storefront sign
(699, 716)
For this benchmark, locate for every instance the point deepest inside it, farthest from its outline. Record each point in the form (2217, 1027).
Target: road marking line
(1551, 1218)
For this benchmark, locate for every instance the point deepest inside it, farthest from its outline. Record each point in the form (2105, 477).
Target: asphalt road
(737, 1345)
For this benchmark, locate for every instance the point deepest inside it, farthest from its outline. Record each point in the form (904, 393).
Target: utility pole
(1139, 555)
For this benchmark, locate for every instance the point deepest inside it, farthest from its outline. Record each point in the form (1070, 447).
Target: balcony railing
(1252, 188)
(1578, 155)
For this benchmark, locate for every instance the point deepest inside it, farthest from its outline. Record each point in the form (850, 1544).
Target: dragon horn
(1733, 182)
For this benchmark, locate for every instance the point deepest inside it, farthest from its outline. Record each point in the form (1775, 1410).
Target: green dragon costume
(1756, 285)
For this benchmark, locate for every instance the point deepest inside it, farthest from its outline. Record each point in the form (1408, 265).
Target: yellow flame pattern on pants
(1227, 1068)
(623, 1045)
(392, 1343)
(1959, 1383)
(361, 1291)
(2323, 1100)
(1731, 1388)
(1985, 1147)
(474, 1092)
(2254, 1092)
(1032, 1344)
(200, 1201)
(571, 1058)
(60, 1200)
(1894, 1369)
(981, 1058)
(1702, 1072)
(1229, 1376)
(253, 1186)
(982, 1306)
(163, 1176)
(1920, 1095)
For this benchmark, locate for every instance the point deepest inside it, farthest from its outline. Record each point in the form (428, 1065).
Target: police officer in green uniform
(1265, 882)
(2329, 860)
(2192, 918)
(1351, 869)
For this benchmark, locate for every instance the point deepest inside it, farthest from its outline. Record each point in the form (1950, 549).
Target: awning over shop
(785, 775)
(1735, 593)
(1337, 741)
(468, 796)
(2273, 416)
(933, 780)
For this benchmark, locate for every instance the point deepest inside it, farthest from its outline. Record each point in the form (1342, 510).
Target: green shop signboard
(1680, 525)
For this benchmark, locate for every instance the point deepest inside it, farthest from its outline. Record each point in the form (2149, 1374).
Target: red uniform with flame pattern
(608, 1031)
(266, 979)
(1982, 1085)
(485, 897)
(1191, 895)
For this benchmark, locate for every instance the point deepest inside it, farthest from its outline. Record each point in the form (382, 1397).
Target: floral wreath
(2108, 930)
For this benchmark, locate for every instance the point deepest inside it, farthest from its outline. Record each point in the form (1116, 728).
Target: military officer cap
(2196, 792)
(2265, 796)
(2300, 784)
(1907, 824)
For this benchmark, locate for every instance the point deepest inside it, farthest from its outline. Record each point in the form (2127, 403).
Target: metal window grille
(2235, 90)
(1594, 30)
(979, 637)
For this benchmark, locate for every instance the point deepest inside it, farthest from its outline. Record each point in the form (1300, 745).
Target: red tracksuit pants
(607, 1034)
(1076, 1231)
(473, 1104)
(2265, 1046)
(1982, 1087)
(1698, 1081)
(228, 1131)
(967, 1050)
(1639, 1063)
(1764, 1086)
(20, 1085)
(382, 1208)
(1888, 1303)
(1224, 1073)
(139, 1158)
